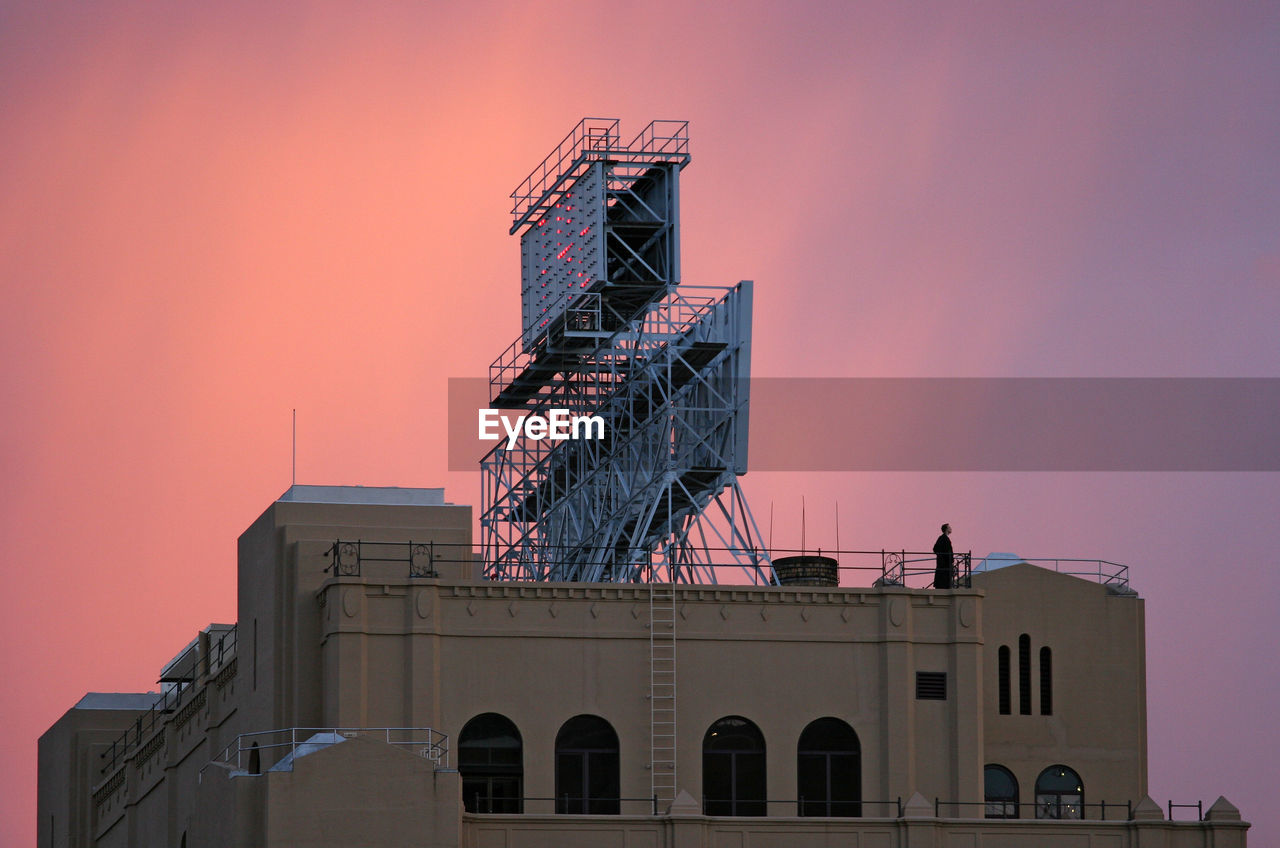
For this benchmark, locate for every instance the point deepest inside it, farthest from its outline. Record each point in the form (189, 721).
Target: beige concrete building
(376, 691)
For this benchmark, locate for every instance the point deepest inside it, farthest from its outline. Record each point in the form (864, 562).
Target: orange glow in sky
(213, 214)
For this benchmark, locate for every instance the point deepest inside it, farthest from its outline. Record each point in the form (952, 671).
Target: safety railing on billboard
(595, 139)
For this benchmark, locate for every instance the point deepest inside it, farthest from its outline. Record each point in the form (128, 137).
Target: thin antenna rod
(804, 524)
(837, 528)
(295, 447)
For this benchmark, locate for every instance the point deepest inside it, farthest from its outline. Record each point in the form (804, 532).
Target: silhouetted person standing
(942, 547)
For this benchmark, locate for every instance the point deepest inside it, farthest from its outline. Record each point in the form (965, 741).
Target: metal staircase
(662, 692)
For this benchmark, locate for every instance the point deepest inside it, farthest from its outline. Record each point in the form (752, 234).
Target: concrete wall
(541, 654)
(70, 766)
(1099, 721)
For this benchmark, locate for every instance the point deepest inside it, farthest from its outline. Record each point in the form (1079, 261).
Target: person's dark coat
(942, 572)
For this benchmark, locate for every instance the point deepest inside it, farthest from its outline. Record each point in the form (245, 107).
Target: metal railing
(902, 568)
(181, 676)
(562, 805)
(1055, 809)
(587, 134)
(347, 557)
(1111, 574)
(509, 805)
(804, 808)
(1198, 806)
(595, 139)
(259, 751)
(911, 569)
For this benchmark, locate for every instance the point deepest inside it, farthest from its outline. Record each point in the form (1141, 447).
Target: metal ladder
(662, 692)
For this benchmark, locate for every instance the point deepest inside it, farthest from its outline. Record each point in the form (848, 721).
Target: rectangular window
(1024, 674)
(931, 686)
(1005, 703)
(1046, 682)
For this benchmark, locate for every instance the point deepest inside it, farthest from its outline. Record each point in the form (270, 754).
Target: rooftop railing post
(655, 805)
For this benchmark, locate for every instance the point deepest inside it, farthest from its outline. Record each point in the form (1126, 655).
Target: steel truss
(664, 367)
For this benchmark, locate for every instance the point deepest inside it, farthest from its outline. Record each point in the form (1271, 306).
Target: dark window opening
(491, 760)
(1046, 681)
(931, 686)
(587, 773)
(1059, 794)
(1024, 674)
(1000, 791)
(1006, 705)
(733, 769)
(829, 769)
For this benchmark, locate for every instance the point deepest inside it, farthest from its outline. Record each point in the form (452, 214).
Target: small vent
(931, 686)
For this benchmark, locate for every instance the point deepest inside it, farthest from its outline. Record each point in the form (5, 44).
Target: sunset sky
(214, 213)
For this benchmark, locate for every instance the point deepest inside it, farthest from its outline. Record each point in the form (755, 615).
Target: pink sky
(211, 214)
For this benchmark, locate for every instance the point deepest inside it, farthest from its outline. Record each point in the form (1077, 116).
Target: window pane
(490, 759)
(813, 784)
(829, 769)
(749, 788)
(1000, 790)
(846, 784)
(1024, 674)
(602, 783)
(569, 782)
(717, 783)
(1058, 779)
(1005, 703)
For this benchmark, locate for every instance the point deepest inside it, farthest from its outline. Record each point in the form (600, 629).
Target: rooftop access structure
(608, 331)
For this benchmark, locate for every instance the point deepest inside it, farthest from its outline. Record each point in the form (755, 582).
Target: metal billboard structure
(610, 335)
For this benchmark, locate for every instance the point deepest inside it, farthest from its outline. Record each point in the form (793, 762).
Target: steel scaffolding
(611, 336)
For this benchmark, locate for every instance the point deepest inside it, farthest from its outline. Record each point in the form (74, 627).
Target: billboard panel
(562, 254)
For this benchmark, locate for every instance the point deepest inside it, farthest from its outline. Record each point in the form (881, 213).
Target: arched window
(733, 775)
(829, 769)
(1024, 674)
(1046, 681)
(1006, 703)
(491, 760)
(1000, 791)
(1059, 794)
(587, 767)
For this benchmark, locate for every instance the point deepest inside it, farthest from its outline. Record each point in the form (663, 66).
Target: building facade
(376, 690)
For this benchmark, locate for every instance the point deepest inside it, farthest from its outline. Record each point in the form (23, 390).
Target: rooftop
(382, 495)
(117, 700)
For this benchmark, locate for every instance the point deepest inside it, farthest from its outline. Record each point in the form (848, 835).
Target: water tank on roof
(807, 570)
